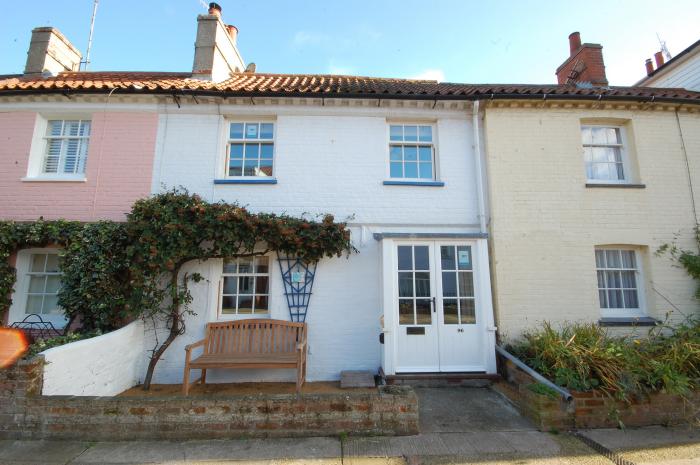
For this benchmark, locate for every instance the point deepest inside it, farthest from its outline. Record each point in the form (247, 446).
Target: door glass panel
(466, 285)
(422, 260)
(464, 257)
(423, 311)
(406, 312)
(449, 284)
(447, 256)
(449, 310)
(405, 257)
(467, 310)
(422, 284)
(405, 284)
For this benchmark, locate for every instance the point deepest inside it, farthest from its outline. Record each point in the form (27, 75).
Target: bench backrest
(259, 336)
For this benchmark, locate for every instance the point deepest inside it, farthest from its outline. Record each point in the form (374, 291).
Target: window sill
(54, 179)
(616, 185)
(246, 181)
(628, 321)
(415, 183)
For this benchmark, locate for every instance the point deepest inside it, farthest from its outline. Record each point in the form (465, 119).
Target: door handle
(434, 305)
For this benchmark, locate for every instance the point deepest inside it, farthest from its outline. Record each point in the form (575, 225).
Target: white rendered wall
(100, 366)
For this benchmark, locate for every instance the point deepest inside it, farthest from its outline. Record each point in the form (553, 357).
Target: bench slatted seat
(252, 343)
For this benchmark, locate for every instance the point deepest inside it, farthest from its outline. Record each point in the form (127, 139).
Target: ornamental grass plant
(584, 357)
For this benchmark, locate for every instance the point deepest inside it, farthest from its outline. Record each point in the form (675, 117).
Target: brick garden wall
(26, 414)
(594, 409)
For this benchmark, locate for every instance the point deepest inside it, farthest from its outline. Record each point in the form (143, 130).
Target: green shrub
(584, 357)
(41, 345)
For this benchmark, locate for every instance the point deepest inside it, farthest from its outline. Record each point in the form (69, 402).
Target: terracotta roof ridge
(332, 76)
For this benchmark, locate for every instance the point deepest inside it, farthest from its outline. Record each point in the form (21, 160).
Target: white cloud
(431, 74)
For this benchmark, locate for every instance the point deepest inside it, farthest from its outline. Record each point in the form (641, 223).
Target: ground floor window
(245, 287)
(44, 282)
(619, 280)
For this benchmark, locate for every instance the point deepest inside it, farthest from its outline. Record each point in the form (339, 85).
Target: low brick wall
(593, 409)
(26, 414)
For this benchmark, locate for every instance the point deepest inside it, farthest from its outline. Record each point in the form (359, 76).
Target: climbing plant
(686, 258)
(114, 272)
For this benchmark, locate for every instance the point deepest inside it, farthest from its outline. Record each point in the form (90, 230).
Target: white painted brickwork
(545, 223)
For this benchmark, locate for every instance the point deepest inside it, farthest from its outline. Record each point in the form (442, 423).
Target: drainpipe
(477, 168)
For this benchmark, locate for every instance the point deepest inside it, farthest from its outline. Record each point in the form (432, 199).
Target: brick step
(441, 379)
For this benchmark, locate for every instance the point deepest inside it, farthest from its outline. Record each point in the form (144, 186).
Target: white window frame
(220, 294)
(18, 309)
(37, 154)
(641, 310)
(433, 143)
(624, 153)
(243, 141)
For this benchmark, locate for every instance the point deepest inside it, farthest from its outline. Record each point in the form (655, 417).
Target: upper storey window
(66, 149)
(250, 149)
(605, 154)
(411, 152)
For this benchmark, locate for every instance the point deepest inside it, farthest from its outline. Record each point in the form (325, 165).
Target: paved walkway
(459, 425)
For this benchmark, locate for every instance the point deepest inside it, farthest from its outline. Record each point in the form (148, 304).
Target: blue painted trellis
(298, 277)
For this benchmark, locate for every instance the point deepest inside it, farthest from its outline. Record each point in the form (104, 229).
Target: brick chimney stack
(584, 65)
(216, 54)
(659, 57)
(649, 66)
(50, 52)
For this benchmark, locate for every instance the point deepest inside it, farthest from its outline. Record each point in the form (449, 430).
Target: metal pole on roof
(92, 28)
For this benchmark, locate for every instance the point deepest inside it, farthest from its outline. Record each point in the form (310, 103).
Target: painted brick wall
(545, 223)
(118, 171)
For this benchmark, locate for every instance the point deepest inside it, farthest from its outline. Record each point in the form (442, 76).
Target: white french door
(439, 325)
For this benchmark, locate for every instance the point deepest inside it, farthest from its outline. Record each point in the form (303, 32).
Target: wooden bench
(253, 343)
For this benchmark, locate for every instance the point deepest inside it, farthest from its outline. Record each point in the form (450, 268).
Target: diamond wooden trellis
(298, 277)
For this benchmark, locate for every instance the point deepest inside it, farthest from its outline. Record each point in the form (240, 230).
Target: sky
(448, 40)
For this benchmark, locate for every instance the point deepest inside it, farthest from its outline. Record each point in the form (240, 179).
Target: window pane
(236, 131)
(230, 285)
(265, 168)
(34, 304)
(235, 167)
(229, 267)
(628, 259)
(410, 133)
(406, 311)
(71, 128)
(261, 264)
(620, 172)
(245, 304)
(395, 153)
(449, 284)
(600, 135)
(449, 311)
(228, 304)
(261, 285)
(410, 153)
(425, 153)
(252, 151)
(426, 170)
(84, 128)
(423, 311)
(266, 151)
(615, 299)
(586, 137)
(600, 258)
(36, 284)
(396, 170)
(422, 261)
(600, 171)
(52, 263)
(613, 279)
(405, 253)
(601, 279)
(411, 169)
(245, 284)
(266, 130)
(422, 284)
(250, 168)
(51, 305)
(55, 128)
(38, 262)
(602, 154)
(464, 257)
(53, 284)
(603, 298)
(251, 130)
(612, 257)
(396, 133)
(447, 257)
(425, 133)
(406, 284)
(466, 284)
(629, 280)
(53, 152)
(631, 300)
(236, 151)
(71, 156)
(261, 304)
(467, 310)
(245, 265)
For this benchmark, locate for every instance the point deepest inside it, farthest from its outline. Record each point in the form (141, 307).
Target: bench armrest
(189, 347)
(301, 345)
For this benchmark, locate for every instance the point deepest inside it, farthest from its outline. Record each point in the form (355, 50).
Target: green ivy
(115, 272)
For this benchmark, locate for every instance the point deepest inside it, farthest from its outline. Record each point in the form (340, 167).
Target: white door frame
(390, 324)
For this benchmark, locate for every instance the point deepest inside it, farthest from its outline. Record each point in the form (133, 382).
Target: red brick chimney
(659, 57)
(649, 66)
(585, 63)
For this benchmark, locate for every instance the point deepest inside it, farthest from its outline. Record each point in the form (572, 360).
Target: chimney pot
(232, 31)
(215, 9)
(574, 43)
(650, 67)
(659, 57)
